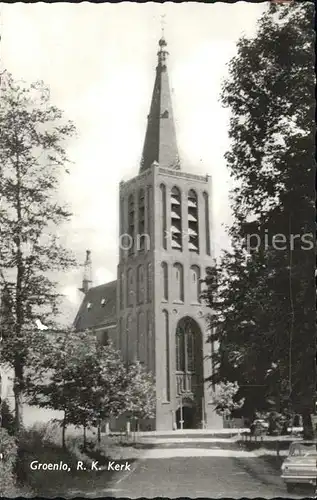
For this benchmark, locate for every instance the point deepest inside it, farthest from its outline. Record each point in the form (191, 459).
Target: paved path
(224, 475)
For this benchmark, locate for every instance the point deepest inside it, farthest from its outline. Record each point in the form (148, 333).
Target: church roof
(160, 139)
(98, 307)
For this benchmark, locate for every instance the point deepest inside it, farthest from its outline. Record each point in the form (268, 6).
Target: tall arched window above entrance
(190, 347)
(131, 223)
(193, 236)
(207, 223)
(163, 205)
(180, 350)
(178, 282)
(176, 219)
(195, 284)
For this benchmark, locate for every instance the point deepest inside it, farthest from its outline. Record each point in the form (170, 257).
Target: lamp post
(181, 413)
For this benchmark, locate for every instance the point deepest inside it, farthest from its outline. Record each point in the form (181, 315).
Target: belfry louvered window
(176, 220)
(131, 211)
(193, 237)
(141, 236)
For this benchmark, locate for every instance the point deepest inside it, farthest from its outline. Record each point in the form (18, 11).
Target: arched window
(141, 235)
(121, 216)
(176, 219)
(193, 236)
(129, 340)
(150, 210)
(120, 336)
(130, 288)
(180, 350)
(211, 280)
(150, 353)
(207, 223)
(103, 337)
(140, 284)
(178, 281)
(187, 341)
(131, 223)
(163, 205)
(167, 354)
(190, 351)
(195, 284)
(165, 280)
(149, 282)
(141, 349)
(122, 287)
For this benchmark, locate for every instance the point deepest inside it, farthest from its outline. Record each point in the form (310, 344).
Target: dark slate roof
(98, 307)
(160, 144)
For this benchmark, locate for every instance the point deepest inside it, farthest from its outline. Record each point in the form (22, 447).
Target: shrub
(8, 450)
(7, 418)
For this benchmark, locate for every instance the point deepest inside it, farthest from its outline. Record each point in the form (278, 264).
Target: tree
(141, 396)
(33, 136)
(85, 380)
(62, 378)
(263, 309)
(112, 382)
(224, 398)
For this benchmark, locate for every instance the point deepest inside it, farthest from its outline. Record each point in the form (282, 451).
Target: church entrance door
(186, 416)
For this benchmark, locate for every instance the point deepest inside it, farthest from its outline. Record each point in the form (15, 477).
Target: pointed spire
(160, 144)
(87, 278)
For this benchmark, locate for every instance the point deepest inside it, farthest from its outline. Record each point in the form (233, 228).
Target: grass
(45, 447)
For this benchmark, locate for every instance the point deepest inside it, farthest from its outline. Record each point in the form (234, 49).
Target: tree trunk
(307, 425)
(99, 433)
(64, 431)
(85, 437)
(17, 390)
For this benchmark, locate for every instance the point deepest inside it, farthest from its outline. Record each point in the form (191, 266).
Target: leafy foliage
(32, 159)
(8, 450)
(223, 398)
(263, 293)
(87, 381)
(141, 397)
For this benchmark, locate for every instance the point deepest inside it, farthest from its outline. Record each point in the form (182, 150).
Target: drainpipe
(203, 412)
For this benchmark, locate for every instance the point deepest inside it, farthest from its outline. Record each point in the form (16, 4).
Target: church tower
(164, 253)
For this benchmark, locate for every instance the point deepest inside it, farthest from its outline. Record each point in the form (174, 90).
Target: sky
(99, 63)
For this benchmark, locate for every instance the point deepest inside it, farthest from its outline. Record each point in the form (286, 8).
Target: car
(300, 466)
(295, 431)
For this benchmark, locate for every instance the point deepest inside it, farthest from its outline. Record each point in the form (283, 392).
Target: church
(153, 312)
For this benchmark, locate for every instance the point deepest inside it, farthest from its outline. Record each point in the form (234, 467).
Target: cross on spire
(160, 145)
(163, 22)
